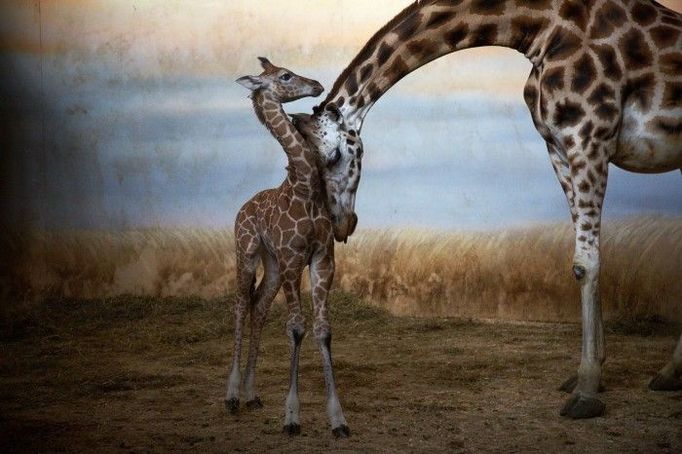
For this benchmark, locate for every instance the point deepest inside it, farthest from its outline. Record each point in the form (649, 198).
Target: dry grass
(515, 274)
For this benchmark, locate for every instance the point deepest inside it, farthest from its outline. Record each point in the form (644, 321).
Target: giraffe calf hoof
(663, 383)
(292, 429)
(341, 432)
(232, 405)
(254, 404)
(578, 271)
(579, 406)
(569, 385)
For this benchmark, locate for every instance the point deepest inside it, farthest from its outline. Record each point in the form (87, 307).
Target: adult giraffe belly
(648, 143)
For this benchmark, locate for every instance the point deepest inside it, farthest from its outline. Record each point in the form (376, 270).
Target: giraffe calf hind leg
(292, 424)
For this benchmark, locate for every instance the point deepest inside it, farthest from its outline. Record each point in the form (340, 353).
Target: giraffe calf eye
(285, 76)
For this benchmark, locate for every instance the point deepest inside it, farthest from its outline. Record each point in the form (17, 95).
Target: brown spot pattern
(397, 71)
(671, 63)
(584, 75)
(584, 186)
(457, 35)
(664, 36)
(607, 19)
(384, 54)
(635, 50)
(535, 4)
(586, 133)
(408, 26)
(484, 35)
(567, 114)
(672, 95)
(609, 61)
(574, 11)
(640, 90)
(439, 18)
(553, 79)
(422, 48)
(643, 13)
(523, 31)
(562, 44)
(488, 7)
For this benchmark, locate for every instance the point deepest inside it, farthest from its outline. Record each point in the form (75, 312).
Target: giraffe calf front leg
(321, 277)
(292, 418)
(337, 420)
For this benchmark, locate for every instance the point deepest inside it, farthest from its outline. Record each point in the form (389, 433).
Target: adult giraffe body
(606, 87)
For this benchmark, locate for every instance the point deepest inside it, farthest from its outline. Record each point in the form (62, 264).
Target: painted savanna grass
(520, 274)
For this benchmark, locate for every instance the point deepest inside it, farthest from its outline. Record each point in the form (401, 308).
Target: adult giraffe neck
(302, 172)
(429, 29)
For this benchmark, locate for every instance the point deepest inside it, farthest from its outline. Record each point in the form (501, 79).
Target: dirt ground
(148, 374)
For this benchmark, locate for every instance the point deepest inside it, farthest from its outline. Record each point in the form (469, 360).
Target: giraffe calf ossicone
(291, 227)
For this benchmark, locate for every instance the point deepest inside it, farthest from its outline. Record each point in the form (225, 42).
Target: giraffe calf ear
(250, 82)
(265, 63)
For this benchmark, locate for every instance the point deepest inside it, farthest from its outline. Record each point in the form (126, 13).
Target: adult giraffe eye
(334, 158)
(285, 77)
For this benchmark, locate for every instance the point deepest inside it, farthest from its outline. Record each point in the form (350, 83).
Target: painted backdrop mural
(126, 114)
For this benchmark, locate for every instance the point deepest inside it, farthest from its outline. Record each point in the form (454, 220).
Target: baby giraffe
(285, 228)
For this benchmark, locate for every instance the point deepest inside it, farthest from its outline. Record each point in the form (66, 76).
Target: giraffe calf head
(285, 85)
(340, 150)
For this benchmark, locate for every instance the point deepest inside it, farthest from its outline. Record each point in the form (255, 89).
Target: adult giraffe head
(341, 150)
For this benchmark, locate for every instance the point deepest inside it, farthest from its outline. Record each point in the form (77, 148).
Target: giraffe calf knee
(296, 330)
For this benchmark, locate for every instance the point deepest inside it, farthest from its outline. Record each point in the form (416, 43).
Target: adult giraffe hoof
(569, 385)
(579, 406)
(292, 429)
(663, 383)
(232, 405)
(341, 432)
(254, 404)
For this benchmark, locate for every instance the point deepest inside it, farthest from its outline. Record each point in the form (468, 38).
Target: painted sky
(126, 114)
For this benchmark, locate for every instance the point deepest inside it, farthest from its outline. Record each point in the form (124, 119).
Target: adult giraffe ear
(334, 112)
(250, 82)
(265, 63)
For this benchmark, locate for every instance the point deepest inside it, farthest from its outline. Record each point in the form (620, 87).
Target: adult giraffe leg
(563, 174)
(321, 276)
(247, 262)
(670, 377)
(561, 170)
(290, 271)
(260, 307)
(589, 172)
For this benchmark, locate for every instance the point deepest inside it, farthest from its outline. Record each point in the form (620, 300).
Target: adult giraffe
(606, 87)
